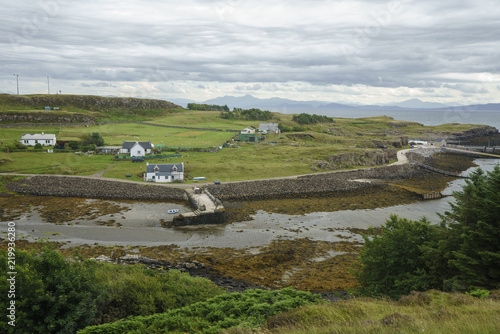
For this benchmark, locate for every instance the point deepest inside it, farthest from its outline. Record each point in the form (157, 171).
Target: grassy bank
(429, 312)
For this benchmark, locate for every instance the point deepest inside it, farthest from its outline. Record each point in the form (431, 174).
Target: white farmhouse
(164, 172)
(32, 139)
(250, 130)
(136, 148)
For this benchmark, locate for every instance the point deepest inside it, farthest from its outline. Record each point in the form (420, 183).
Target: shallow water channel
(141, 224)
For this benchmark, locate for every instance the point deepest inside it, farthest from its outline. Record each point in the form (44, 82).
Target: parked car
(137, 159)
(217, 182)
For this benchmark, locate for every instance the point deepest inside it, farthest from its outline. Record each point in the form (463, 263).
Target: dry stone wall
(62, 186)
(315, 184)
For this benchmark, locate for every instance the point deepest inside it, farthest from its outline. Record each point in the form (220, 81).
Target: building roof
(268, 126)
(129, 144)
(38, 136)
(164, 168)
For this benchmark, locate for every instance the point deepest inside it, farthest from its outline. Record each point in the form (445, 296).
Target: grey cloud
(249, 87)
(474, 89)
(225, 41)
(98, 84)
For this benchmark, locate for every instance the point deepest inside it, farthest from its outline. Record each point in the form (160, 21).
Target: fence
(441, 171)
(127, 157)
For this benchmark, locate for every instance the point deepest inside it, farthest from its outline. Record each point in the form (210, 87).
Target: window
(174, 169)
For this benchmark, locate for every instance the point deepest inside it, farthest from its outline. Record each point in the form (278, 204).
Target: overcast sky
(348, 51)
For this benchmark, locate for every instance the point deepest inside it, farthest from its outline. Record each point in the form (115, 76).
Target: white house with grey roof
(136, 148)
(266, 128)
(164, 172)
(31, 139)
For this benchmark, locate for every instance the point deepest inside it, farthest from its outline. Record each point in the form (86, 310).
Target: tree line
(207, 107)
(253, 114)
(304, 118)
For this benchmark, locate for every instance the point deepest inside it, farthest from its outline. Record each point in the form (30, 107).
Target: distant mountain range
(287, 106)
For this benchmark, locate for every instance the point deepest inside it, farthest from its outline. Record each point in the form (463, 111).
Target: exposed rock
(44, 117)
(90, 102)
(369, 158)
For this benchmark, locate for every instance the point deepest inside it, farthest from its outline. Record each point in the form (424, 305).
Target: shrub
(479, 293)
(248, 309)
(137, 290)
(392, 263)
(52, 295)
(311, 119)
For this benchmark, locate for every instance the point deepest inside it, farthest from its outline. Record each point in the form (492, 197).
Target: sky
(361, 52)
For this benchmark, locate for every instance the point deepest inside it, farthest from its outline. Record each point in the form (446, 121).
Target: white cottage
(250, 130)
(31, 139)
(164, 172)
(136, 148)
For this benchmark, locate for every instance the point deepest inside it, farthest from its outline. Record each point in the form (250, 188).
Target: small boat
(173, 211)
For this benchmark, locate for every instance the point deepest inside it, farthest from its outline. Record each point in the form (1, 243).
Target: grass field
(288, 154)
(429, 312)
(114, 134)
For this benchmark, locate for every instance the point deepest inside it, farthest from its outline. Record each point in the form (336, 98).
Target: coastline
(284, 245)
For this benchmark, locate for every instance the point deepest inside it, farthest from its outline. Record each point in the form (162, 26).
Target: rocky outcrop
(90, 102)
(44, 117)
(484, 131)
(67, 186)
(368, 158)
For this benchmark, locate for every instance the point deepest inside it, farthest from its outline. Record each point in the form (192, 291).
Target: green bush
(51, 294)
(137, 290)
(253, 114)
(392, 263)
(479, 293)
(311, 119)
(248, 309)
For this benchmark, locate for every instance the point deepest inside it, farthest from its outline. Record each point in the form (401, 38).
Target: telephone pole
(17, 80)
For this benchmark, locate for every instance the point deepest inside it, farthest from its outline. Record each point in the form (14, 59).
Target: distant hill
(288, 106)
(418, 104)
(273, 104)
(477, 107)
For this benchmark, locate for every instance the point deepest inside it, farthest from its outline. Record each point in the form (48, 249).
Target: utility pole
(17, 80)
(48, 85)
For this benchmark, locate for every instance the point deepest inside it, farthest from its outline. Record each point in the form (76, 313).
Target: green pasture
(206, 119)
(249, 161)
(32, 162)
(288, 154)
(115, 134)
